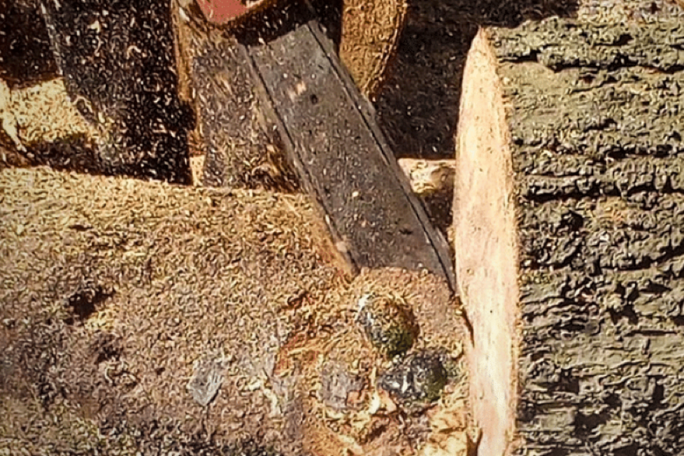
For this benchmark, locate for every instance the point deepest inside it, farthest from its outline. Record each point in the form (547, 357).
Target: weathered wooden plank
(242, 148)
(329, 132)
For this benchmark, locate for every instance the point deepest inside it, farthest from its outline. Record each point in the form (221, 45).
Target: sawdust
(197, 167)
(113, 289)
(368, 34)
(375, 425)
(44, 114)
(40, 125)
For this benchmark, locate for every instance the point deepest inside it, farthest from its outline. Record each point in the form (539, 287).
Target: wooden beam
(330, 134)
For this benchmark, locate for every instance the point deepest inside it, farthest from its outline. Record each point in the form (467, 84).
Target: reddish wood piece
(221, 11)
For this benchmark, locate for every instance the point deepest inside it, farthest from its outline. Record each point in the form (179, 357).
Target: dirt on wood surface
(124, 304)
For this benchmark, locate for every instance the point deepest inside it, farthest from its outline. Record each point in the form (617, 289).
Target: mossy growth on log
(569, 235)
(387, 323)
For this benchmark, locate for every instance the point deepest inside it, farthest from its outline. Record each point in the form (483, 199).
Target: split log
(569, 235)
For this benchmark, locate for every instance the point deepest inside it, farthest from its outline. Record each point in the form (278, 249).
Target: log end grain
(486, 246)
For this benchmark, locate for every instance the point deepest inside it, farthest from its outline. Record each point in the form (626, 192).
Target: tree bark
(569, 236)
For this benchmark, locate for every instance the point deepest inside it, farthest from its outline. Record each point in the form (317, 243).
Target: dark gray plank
(330, 133)
(235, 143)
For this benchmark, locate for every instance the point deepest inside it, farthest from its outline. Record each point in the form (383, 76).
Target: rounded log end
(485, 246)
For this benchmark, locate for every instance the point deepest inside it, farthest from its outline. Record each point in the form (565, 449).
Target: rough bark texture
(594, 119)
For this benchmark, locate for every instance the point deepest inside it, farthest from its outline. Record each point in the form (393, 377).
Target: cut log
(569, 236)
(25, 52)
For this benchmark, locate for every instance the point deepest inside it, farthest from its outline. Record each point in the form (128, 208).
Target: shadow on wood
(418, 108)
